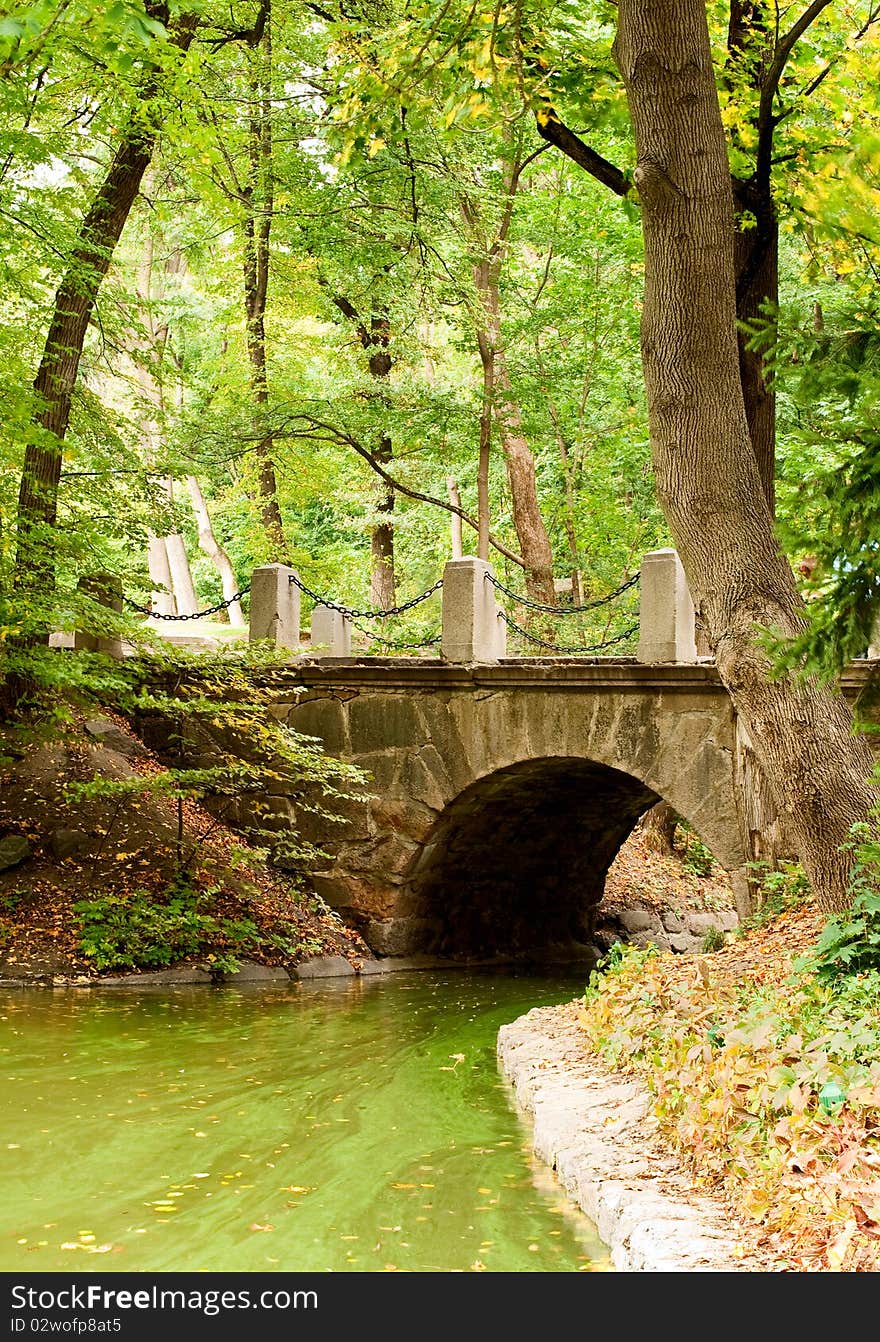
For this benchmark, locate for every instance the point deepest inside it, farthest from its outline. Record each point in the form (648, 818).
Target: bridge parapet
(474, 624)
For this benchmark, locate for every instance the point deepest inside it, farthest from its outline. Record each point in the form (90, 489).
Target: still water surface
(353, 1126)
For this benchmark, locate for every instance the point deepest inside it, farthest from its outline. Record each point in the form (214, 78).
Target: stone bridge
(503, 792)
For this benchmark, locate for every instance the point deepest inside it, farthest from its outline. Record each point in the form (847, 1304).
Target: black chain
(196, 614)
(351, 614)
(556, 647)
(562, 610)
(396, 647)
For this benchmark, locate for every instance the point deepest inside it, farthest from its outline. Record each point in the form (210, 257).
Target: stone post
(666, 611)
(332, 628)
(472, 631)
(106, 590)
(275, 603)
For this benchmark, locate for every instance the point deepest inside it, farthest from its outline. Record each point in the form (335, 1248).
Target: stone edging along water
(591, 1126)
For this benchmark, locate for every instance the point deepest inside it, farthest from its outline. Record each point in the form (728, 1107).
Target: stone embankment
(594, 1128)
(682, 931)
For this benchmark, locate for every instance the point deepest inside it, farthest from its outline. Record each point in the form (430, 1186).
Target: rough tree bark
(658, 828)
(75, 300)
(707, 477)
(257, 191)
(759, 52)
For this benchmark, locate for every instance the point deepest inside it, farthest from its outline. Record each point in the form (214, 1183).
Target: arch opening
(516, 863)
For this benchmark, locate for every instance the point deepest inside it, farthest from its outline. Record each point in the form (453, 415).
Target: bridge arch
(501, 795)
(516, 863)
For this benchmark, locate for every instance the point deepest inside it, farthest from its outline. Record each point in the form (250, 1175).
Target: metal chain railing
(560, 648)
(196, 614)
(353, 614)
(562, 610)
(393, 646)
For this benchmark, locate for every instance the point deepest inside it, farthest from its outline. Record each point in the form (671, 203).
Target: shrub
(782, 888)
(714, 939)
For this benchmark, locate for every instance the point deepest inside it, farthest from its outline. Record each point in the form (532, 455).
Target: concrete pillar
(274, 606)
(666, 611)
(332, 628)
(472, 631)
(106, 589)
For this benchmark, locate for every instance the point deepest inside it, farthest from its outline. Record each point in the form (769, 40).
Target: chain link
(557, 647)
(561, 610)
(396, 647)
(351, 614)
(196, 614)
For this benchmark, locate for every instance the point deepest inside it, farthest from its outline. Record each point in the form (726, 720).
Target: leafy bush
(696, 857)
(781, 889)
(849, 944)
(137, 931)
(714, 939)
(144, 931)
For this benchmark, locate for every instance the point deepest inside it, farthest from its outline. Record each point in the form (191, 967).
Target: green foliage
(713, 940)
(137, 932)
(696, 857)
(781, 889)
(142, 931)
(849, 944)
(620, 958)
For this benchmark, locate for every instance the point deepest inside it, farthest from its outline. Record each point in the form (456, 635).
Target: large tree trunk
(707, 478)
(658, 827)
(259, 194)
(75, 300)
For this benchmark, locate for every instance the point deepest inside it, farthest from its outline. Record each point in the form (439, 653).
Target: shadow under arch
(516, 863)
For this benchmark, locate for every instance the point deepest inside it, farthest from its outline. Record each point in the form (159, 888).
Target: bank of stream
(349, 1125)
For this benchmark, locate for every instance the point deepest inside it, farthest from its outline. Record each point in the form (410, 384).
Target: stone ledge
(589, 1125)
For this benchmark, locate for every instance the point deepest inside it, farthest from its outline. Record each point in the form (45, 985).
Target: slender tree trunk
(707, 478)
(452, 489)
(534, 543)
(375, 339)
(259, 195)
(756, 258)
(75, 301)
(487, 362)
(209, 543)
(383, 583)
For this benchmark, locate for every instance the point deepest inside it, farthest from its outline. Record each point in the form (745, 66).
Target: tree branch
(770, 86)
(337, 435)
(555, 132)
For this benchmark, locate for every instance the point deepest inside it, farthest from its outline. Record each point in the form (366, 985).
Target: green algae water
(361, 1125)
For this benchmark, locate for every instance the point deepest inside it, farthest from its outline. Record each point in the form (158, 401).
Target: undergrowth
(765, 1067)
(142, 931)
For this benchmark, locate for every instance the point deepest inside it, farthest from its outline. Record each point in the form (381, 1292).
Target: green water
(358, 1126)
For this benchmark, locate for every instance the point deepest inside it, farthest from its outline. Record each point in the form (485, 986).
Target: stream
(347, 1125)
